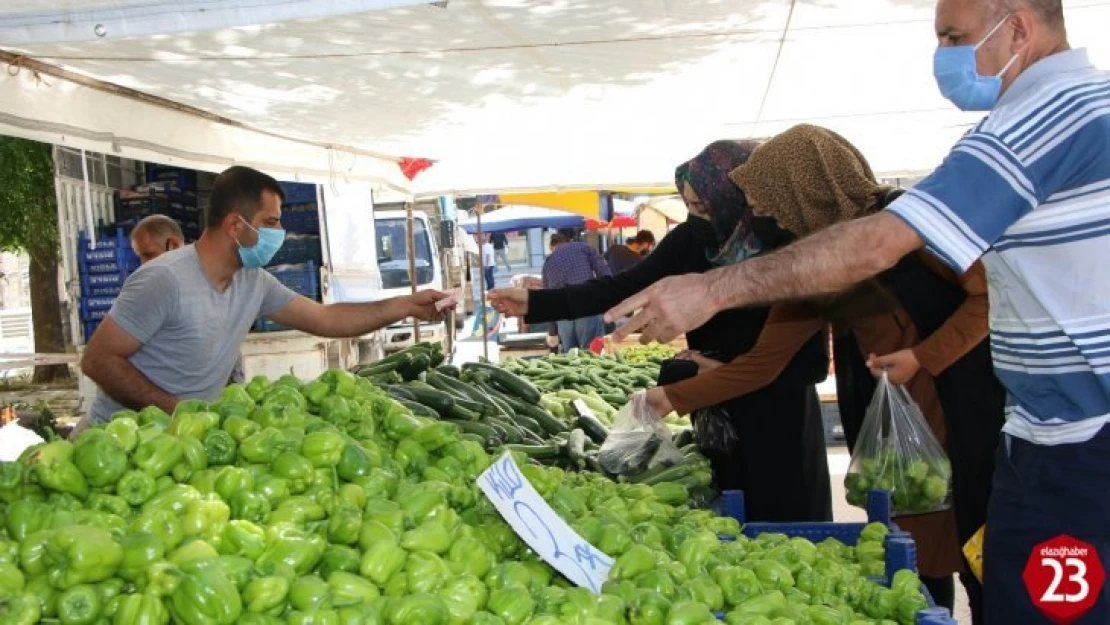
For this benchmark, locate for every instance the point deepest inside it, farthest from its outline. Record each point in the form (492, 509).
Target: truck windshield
(393, 261)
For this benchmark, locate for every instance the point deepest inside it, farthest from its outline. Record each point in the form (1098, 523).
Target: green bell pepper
(469, 556)
(161, 523)
(250, 506)
(101, 460)
(425, 572)
(240, 427)
(139, 552)
(24, 609)
(339, 558)
(648, 608)
(354, 462)
(295, 469)
(26, 517)
(316, 392)
(205, 517)
(463, 595)
(428, 536)
(381, 561)
(158, 456)
(204, 481)
(348, 589)
(242, 538)
(298, 510)
(193, 459)
(266, 595)
(111, 504)
(135, 487)
(82, 555)
(232, 480)
(12, 581)
(193, 553)
(323, 448)
(176, 499)
(417, 609)
(125, 431)
(141, 609)
(345, 526)
(514, 604)
(308, 593)
(410, 456)
(79, 605)
(638, 559)
(257, 387)
(294, 547)
(187, 406)
(436, 435)
(52, 464)
(274, 489)
(704, 590)
(220, 447)
(237, 569)
(152, 414)
(689, 613)
(263, 446)
(205, 596)
(193, 424)
(769, 605)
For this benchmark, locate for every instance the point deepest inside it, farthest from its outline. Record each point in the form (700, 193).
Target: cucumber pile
(503, 409)
(613, 378)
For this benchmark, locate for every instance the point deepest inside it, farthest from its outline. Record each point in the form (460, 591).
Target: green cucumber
(576, 447)
(398, 392)
(437, 400)
(593, 428)
(449, 370)
(378, 368)
(418, 409)
(535, 452)
(474, 427)
(513, 384)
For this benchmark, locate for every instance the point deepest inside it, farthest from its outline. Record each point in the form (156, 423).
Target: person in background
(489, 261)
(176, 328)
(501, 249)
(571, 263)
(780, 459)
(624, 257)
(1025, 190)
(157, 234)
(923, 323)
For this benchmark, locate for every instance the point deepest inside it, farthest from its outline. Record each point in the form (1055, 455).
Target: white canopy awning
(503, 94)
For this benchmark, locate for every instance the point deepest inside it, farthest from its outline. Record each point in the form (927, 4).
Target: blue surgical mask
(957, 75)
(260, 254)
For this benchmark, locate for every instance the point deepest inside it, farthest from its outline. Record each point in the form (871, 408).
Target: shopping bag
(714, 431)
(897, 452)
(637, 441)
(973, 552)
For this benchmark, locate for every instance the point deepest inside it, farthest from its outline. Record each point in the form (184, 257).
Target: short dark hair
(630, 240)
(645, 237)
(160, 228)
(559, 238)
(239, 189)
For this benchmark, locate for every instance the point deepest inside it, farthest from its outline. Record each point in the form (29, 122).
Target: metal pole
(410, 242)
(482, 282)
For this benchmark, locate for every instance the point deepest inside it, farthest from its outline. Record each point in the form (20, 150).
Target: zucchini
(512, 433)
(458, 411)
(459, 388)
(473, 427)
(398, 392)
(437, 400)
(467, 436)
(389, 377)
(684, 438)
(378, 368)
(449, 370)
(528, 424)
(419, 364)
(513, 384)
(576, 448)
(535, 452)
(593, 428)
(418, 409)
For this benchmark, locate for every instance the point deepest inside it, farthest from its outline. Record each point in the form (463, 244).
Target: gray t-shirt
(191, 333)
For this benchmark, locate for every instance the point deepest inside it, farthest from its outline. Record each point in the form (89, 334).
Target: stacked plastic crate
(103, 270)
(297, 263)
(168, 191)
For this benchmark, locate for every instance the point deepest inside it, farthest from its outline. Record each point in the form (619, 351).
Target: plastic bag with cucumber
(897, 452)
(638, 440)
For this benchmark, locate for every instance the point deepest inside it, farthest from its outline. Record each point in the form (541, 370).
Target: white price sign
(539, 526)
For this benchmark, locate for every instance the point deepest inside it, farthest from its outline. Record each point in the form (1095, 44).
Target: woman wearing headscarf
(780, 462)
(923, 324)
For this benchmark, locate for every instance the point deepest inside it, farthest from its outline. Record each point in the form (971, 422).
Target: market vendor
(175, 330)
(927, 326)
(780, 462)
(1025, 190)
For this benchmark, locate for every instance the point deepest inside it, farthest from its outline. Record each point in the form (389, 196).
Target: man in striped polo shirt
(1028, 190)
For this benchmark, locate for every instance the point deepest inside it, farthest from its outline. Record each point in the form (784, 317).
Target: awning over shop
(513, 218)
(584, 203)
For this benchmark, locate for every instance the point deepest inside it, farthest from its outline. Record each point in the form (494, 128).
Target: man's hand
(512, 302)
(704, 364)
(658, 402)
(668, 308)
(422, 305)
(900, 366)
(552, 341)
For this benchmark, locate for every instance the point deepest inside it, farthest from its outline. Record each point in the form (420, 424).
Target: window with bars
(105, 170)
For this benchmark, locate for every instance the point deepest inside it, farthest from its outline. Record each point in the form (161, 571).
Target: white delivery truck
(363, 258)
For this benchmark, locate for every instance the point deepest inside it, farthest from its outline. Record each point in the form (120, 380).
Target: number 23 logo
(1079, 577)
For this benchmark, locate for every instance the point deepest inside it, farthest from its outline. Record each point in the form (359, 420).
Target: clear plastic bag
(714, 430)
(897, 452)
(637, 441)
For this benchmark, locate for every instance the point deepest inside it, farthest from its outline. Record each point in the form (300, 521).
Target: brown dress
(881, 327)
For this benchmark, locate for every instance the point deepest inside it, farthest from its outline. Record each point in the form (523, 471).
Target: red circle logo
(1064, 577)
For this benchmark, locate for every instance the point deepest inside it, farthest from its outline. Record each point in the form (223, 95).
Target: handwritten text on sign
(539, 526)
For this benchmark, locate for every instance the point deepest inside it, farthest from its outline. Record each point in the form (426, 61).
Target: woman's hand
(512, 301)
(704, 364)
(900, 366)
(658, 402)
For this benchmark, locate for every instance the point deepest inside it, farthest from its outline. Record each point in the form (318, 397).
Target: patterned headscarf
(807, 179)
(707, 174)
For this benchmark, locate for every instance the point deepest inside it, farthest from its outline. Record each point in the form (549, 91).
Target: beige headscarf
(808, 178)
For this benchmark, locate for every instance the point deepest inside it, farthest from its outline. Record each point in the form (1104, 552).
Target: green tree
(29, 223)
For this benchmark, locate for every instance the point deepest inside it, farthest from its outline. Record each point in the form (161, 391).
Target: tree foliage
(28, 204)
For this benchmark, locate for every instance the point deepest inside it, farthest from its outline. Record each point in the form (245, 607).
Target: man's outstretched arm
(827, 262)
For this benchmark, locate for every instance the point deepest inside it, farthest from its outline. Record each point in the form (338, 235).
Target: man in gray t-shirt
(175, 330)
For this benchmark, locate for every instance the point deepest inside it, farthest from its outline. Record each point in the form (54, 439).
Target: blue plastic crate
(117, 240)
(88, 314)
(183, 179)
(301, 221)
(102, 284)
(90, 327)
(299, 193)
(303, 278)
(299, 248)
(900, 550)
(125, 265)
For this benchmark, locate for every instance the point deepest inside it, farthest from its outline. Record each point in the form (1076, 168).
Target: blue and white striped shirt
(1028, 190)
